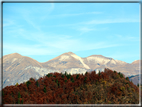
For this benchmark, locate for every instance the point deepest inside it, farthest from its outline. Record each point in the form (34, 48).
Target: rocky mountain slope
(18, 68)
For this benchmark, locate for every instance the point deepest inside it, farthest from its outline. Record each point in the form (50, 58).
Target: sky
(44, 31)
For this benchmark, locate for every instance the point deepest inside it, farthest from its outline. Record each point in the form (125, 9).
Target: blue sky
(43, 31)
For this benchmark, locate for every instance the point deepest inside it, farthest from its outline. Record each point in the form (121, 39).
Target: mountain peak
(70, 52)
(13, 55)
(136, 62)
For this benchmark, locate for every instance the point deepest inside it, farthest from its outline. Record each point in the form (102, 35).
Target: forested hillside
(108, 87)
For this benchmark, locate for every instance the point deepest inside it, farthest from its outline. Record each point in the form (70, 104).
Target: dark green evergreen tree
(59, 85)
(68, 76)
(127, 78)
(77, 76)
(57, 81)
(62, 76)
(19, 95)
(65, 73)
(85, 78)
(37, 84)
(86, 73)
(28, 83)
(18, 101)
(121, 75)
(22, 101)
(49, 75)
(72, 79)
(44, 89)
(99, 73)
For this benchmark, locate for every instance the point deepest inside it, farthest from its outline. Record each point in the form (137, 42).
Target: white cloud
(7, 22)
(107, 21)
(126, 37)
(77, 14)
(37, 13)
(47, 10)
(102, 21)
(46, 43)
(85, 30)
(52, 46)
(99, 45)
(33, 24)
(64, 42)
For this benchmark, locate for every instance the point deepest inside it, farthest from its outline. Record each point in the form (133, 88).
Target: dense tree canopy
(108, 87)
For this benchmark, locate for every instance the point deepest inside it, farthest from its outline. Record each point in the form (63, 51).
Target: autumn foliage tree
(107, 87)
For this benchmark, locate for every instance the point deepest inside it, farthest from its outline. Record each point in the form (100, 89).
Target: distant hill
(135, 79)
(18, 68)
(108, 87)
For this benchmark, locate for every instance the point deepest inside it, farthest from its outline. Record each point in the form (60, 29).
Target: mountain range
(18, 68)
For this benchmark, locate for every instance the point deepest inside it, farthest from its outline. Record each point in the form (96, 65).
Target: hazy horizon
(44, 31)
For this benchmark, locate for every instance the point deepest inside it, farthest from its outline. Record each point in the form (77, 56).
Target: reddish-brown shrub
(59, 91)
(64, 96)
(118, 93)
(114, 89)
(104, 76)
(56, 74)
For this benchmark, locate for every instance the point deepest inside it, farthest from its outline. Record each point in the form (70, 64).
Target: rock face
(18, 68)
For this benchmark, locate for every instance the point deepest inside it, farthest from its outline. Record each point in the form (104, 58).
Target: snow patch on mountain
(41, 71)
(75, 71)
(99, 69)
(78, 58)
(112, 62)
(64, 57)
(120, 62)
(98, 59)
(14, 59)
